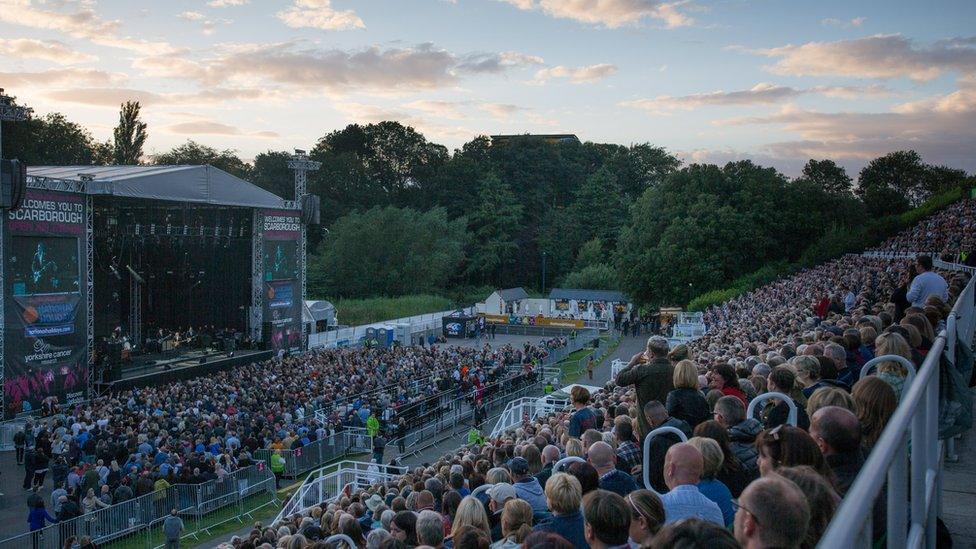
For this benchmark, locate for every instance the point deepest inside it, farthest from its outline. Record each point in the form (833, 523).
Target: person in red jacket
(723, 378)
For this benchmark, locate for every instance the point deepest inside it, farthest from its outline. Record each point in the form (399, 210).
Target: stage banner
(45, 321)
(282, 279)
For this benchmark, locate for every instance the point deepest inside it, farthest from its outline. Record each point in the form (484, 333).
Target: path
(959, 494)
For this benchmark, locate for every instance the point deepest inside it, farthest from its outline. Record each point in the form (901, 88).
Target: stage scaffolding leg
(90, 297)
(135, 311)
(3, 289)
(257, 275)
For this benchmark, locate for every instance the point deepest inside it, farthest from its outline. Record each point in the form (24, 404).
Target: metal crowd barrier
(194, 504)
(754, 403)
(914, 485)
(328, 484)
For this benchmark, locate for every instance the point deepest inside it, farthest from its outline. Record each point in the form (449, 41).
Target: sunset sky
(778, 81)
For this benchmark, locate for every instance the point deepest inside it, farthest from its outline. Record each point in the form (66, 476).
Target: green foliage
(356, 312)
(493, 227)
(51, 140)
(827, 175)
(129, 136)
(388, 251)
(600, 276)
(590, 253)
(893, 183)
(703, 226)
(194, 154)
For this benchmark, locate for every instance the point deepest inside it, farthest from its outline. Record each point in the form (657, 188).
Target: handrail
(866, 369)
(645, 468)
(335, 538)
(915, 419)
(565, 462)
(754, 403)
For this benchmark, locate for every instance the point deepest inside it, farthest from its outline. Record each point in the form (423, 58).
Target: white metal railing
(754, 403)
(873, 363)
(351, 336)
(616, 367)
(524, 409)
(328, 483)
(646, 467)
(914, 486)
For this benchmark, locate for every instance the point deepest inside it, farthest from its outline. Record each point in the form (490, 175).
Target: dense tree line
(402, 214)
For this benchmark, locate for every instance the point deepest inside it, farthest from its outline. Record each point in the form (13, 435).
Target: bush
(355, 312)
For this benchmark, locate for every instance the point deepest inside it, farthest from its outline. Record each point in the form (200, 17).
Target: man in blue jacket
(527, 487)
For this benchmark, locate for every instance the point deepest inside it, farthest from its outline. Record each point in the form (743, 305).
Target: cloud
(441, 109)
(490, 62)
(319, 14)
(500, 111)
(610, 13)
(939, 128)
(78, 20)
(878, 56)
(192, 16)
(226, 3)
(578, 75)
(47, 50)
(843, 23)
(210, 127)
(60, 77)
(760, 94)
(113, 97)
(373, 70)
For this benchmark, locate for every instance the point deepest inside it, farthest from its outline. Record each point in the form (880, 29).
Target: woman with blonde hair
(471, 513)
(874, 403)
(679, 353)
(685, 401)
(574, 447)
(893, 373)
(516, 524)
(709, 485)
(829, 396)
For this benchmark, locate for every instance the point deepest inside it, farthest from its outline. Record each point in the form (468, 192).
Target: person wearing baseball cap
(527, 487)
(499, 493)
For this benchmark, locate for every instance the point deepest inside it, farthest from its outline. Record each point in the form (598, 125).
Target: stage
(155, 369)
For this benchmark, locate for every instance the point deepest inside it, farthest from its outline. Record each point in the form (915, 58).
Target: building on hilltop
(551, 138)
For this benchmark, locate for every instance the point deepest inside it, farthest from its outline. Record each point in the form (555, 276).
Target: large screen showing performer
(45, 317)
(281, 231)
(43, 265)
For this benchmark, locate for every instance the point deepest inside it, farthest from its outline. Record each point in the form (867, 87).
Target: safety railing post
(898, 498)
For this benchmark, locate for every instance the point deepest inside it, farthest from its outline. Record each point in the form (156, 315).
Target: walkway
(959, 494)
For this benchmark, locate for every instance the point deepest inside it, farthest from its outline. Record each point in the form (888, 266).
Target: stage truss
(257, 275)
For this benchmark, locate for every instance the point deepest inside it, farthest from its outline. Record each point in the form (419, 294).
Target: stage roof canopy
(201, 184)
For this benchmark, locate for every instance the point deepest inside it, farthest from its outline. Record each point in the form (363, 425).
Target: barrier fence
(328, 483)
(200, 506)
(908, 458)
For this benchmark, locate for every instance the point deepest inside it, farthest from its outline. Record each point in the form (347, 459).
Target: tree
(130, 135)
(493, 225)
(50, 140)
(828, 176)
(194, 154)
(270, 172)
(590, 253)
(598, 209)
(893, 183)
(388, 252)
(599, 276)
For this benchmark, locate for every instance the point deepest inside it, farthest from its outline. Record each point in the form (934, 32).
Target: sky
(776, 81)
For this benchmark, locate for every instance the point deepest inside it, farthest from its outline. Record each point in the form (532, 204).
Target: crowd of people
(737, 481)
(950, 231)
(141, 440)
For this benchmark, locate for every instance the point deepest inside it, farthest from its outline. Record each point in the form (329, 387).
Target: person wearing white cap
(499, 494)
